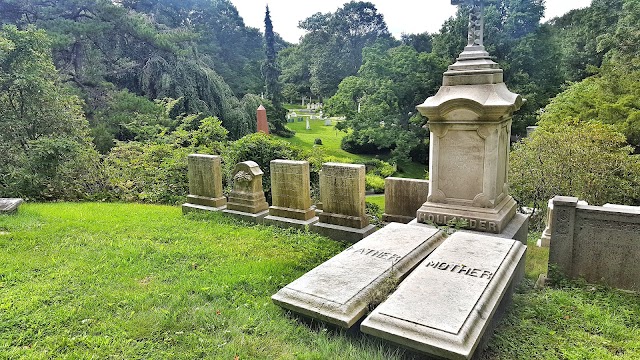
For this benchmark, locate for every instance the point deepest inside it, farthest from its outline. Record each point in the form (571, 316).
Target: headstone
(308, 126)
(342, 193)
(9, 205)
(205, 184)
(450, 304)
(247, 200)
(470, 123)
(291, 193)
(598, 244)
(403, 198)
(263, 124)
(341, 290)
(327, 122)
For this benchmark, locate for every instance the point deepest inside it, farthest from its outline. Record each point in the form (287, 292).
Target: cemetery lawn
(96, 280)
(331, 140)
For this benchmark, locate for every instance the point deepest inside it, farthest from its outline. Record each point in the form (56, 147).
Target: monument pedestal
(342, 233)
(256, 218)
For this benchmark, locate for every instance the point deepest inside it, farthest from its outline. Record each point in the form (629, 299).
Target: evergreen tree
(271, 72)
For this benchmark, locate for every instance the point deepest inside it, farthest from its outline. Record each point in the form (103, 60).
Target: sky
(402, 16)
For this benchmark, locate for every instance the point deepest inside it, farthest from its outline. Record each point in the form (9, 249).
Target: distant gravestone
(403, 198)
(205, 184)
(263, 123)
(452, 301)
(9, 205)
(598, 244)
(327, 122)
(247, 200)
(340, 290)
(308, 125)
(291, 193)
(342, 193)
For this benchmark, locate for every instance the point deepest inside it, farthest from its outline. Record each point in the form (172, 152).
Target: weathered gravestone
(342, 193)
(598, 244)
(205, 184)
(9, 205)
(470, 122)
(450, 304)
(246, 200)
(403, 198)
(545, 238)
(291, 193)
(340, 290)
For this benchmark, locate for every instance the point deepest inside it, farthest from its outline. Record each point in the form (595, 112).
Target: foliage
(374, 182)
(44, 144)
(587, 160)
(388, 86)
(262, 149)
(317, 141)
(332, 48)
(153, 173)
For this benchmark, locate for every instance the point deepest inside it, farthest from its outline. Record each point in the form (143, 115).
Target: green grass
(331, 139)
(139, 281)
(376, 199)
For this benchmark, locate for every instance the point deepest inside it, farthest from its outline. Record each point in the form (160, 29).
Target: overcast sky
(402, 16)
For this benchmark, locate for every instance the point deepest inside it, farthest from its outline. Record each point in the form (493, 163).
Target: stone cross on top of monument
(476, 20)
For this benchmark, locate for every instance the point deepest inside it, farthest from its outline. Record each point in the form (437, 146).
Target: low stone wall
(598, 244)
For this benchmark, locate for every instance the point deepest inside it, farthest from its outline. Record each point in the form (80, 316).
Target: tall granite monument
(470, 123)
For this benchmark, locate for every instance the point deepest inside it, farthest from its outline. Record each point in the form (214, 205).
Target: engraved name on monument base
(446, 306)
(340, 290)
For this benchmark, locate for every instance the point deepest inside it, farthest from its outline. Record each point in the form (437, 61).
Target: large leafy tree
(332, 48)
(44, 144)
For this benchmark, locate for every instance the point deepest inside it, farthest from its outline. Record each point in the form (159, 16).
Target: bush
(154, 173)
(590, 161)
(318, 141)
(375, 183)
(261, 149)
(380, 168)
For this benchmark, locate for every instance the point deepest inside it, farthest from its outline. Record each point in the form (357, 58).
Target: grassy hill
(96, 280)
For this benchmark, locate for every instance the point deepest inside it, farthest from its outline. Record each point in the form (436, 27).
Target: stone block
(598, 244)
(341, 233)
(450, 304)
(247, 195)
(205, 183)
(9, 205)
(403, 198)
(342, 193)
(256, 218)
(291, 190)
(340, 290)
(187, 208)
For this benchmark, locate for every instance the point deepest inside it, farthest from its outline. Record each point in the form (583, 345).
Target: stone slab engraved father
(340, 290)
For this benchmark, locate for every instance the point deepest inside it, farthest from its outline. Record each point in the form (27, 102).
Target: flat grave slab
(445, 306)
(340, 290)
(9, 205)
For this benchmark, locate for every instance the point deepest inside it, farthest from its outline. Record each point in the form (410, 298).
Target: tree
(44, 145)
(271, 73)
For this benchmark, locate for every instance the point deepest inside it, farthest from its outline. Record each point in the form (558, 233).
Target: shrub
(375, 183)
(590, 161)
(318, 141)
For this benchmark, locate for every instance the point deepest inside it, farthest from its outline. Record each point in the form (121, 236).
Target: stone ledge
(289, 223)
(253, 218)
(342, 233)
(187, 207)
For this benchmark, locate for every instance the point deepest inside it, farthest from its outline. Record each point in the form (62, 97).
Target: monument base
(389, 218)
(187, 208)
(290, 213)
(248, 217)
(480, 219)
(516, 229)
(207, 201)
(544, 241)
(342, 233)
(289, 223)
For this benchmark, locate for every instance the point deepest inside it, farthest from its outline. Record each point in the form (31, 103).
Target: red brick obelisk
(263, 124)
